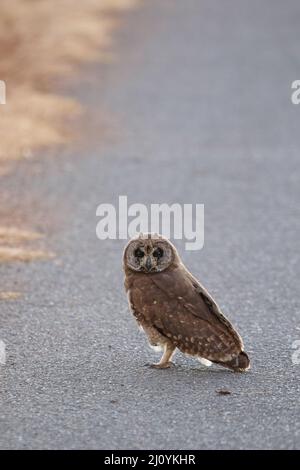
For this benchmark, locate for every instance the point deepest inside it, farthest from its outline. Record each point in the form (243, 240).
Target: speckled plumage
(174, 309)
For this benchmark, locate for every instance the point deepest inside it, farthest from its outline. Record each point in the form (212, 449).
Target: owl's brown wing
(184, 312)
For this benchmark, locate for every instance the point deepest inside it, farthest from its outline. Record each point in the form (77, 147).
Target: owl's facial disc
(149, 256)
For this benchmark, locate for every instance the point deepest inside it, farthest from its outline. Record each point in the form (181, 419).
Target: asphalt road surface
(196, 107)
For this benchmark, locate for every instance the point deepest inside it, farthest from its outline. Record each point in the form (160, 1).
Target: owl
(174, 310)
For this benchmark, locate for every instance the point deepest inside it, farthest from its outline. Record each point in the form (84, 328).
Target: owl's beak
(148, 263)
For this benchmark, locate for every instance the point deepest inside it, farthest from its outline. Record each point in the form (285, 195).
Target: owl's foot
(164, 365)
(165, 362)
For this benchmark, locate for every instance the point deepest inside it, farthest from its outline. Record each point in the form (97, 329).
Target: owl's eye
(158, 253)
(138, 253)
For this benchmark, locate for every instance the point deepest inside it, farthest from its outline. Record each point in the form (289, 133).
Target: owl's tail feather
(239, 363)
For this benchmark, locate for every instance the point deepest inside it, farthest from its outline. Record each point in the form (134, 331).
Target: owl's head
(149, 253)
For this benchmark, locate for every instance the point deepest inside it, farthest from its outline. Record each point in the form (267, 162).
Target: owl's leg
(165, 361)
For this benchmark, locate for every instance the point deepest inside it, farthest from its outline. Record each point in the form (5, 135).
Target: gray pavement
(197, 109)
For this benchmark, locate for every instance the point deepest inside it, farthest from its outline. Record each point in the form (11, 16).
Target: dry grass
(11, 235)
(10, 254)
(10, 295)
(40, 41)
(12, 246)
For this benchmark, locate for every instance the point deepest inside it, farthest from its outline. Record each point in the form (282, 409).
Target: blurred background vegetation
(40, 42)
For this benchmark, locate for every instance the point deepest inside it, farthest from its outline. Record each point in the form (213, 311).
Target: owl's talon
(165, 365)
